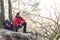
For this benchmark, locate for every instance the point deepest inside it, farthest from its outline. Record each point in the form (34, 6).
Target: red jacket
(18, 21)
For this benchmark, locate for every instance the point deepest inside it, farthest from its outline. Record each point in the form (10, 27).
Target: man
(19, 22)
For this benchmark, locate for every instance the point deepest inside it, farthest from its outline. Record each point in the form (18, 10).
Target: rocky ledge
(11, 35)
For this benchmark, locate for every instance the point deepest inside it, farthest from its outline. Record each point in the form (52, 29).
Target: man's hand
(20, 24)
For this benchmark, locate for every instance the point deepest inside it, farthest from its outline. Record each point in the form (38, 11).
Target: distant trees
(49, 28)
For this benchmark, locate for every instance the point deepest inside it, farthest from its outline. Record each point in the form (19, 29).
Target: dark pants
(24, 27)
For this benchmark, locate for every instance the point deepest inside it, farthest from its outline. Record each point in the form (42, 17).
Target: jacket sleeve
(23, 19)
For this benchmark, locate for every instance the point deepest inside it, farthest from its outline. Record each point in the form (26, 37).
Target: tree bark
(2, 16)
(0, 12)
(10, 10)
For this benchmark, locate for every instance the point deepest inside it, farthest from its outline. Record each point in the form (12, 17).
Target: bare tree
(49, 30)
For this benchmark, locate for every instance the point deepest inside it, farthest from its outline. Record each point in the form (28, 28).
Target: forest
(42, 16)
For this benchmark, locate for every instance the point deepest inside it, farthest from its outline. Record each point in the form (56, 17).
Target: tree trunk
(10, 10)
(2, 12)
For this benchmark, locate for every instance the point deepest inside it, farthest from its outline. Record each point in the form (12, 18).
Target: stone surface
(10, 35)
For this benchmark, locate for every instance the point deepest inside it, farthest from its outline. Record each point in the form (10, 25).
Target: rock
(10, 35)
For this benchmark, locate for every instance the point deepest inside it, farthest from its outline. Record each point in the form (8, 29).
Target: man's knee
(24, 23)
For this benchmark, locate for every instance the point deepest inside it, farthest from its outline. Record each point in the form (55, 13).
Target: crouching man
(19, 22)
